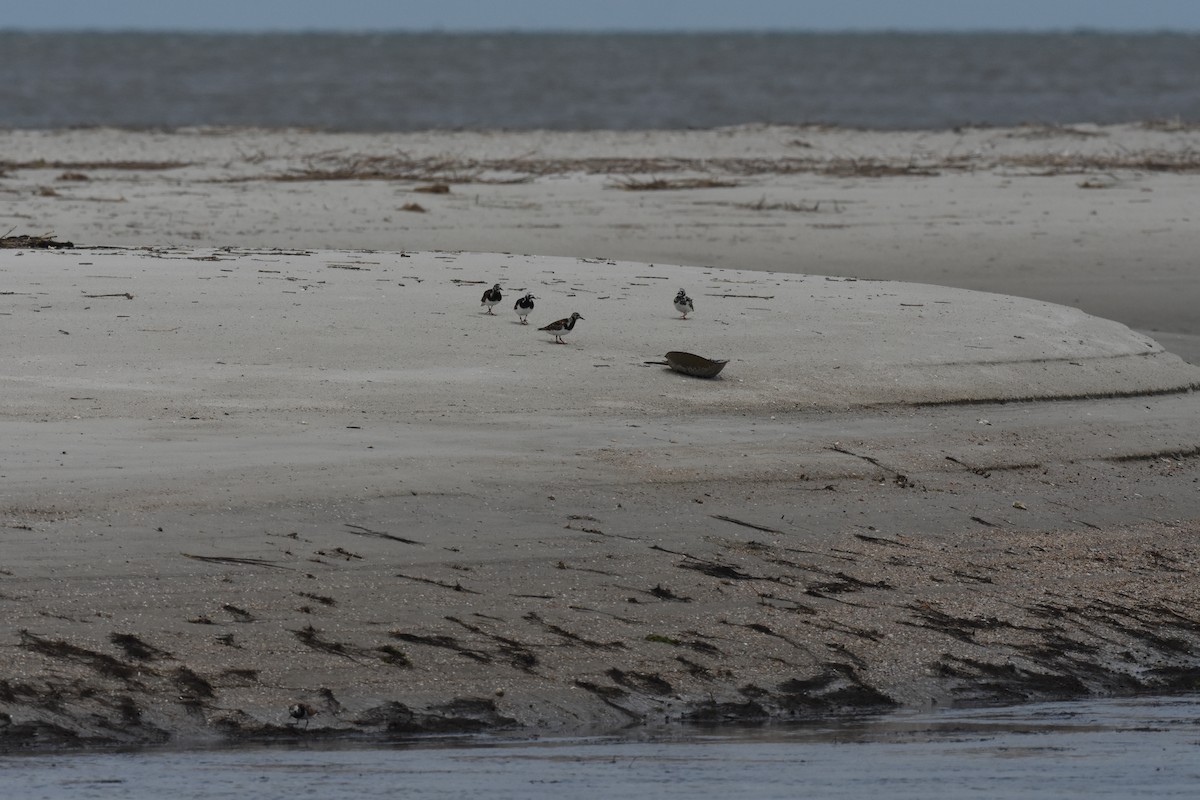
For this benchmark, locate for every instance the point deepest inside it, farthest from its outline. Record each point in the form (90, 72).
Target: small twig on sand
(359, 530)
(745, 524)
(250, 562)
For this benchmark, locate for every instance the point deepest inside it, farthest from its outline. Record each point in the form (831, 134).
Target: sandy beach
(264, 446)
(1099, 218)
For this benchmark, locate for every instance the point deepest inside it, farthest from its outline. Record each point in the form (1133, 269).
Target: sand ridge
(1095, 217)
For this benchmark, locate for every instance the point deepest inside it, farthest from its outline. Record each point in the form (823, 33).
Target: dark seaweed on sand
(35, 242)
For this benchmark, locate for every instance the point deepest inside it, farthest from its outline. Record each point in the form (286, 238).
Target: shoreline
(245, 477)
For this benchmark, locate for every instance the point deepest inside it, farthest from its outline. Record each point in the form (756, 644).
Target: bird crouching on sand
(523, 306)
(491, 297)
(562, 327)
(683, 304)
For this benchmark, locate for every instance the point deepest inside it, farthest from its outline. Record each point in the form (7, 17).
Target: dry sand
(1099, 218)
(263, 446)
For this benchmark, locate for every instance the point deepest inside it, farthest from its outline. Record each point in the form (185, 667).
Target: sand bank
(245, 477)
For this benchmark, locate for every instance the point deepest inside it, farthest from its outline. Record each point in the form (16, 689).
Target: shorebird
(683, 304)
(562, 327)
(301, 711)
(491, 297)
(523, 306)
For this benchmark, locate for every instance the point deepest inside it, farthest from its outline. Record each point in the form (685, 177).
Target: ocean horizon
(389, 81)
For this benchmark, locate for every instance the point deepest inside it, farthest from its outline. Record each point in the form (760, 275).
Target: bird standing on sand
(302, 711)
(683, 304)
(562, 327)
(523, 306)
(491, 297)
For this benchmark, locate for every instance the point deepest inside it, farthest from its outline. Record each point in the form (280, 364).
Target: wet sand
(1104, 748)
(265, 447)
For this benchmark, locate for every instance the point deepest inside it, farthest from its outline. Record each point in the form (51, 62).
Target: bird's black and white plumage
(491, 297)
(523, 306)
(301, 711)
(683, 304)
(562, 327)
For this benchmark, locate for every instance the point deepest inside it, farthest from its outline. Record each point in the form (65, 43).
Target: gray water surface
(414, 81)
(1093, 749)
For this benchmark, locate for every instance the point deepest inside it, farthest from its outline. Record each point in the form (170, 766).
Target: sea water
(1089, 749)
(412, 81)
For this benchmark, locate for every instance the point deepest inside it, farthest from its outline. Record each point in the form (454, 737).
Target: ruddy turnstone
(683, 304)
(523, 306)
(301, 711)
(562, 327)
(491, 297)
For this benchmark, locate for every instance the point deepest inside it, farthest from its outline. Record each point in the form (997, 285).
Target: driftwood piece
(37, 242)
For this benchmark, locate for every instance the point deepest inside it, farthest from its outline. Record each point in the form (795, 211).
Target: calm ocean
(398, 81)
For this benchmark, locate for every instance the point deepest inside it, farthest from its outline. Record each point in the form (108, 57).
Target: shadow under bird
(562, 327)
(491, 297)
(523, 306)
(683, 304)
